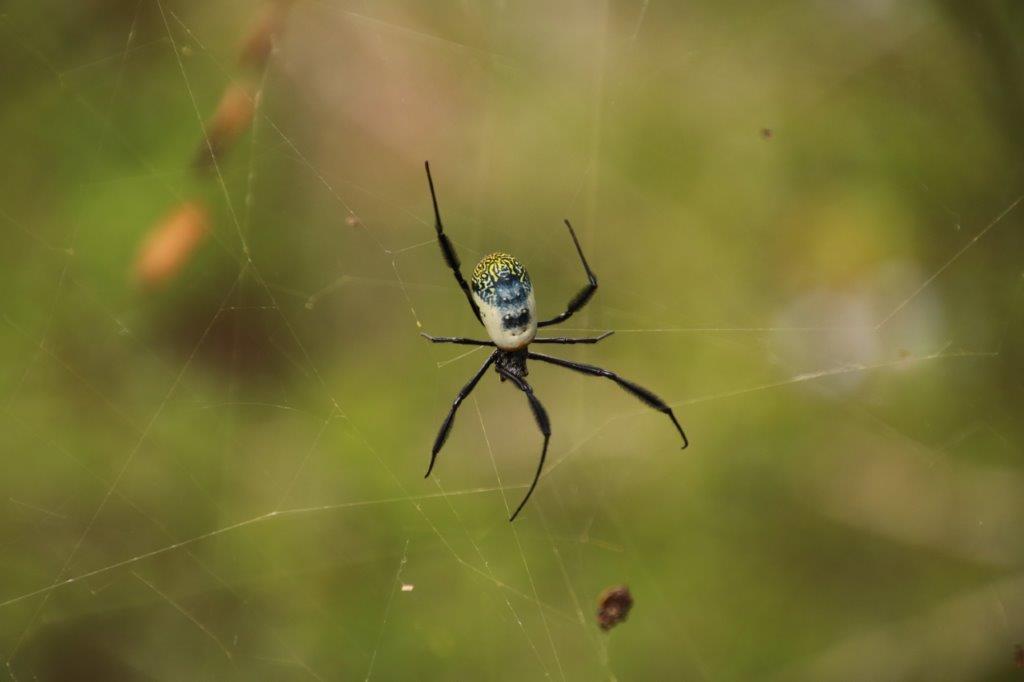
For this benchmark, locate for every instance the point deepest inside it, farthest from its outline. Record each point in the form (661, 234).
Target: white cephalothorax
(503, 292)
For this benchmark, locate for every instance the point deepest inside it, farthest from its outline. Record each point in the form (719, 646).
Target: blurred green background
(804, 218)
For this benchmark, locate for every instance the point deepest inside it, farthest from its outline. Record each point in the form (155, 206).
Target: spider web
(221, 474)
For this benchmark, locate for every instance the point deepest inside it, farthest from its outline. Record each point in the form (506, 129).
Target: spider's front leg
(646, 396)
(446, 426)
(541, 417)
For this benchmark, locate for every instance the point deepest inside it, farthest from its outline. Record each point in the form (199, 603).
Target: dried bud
(265, 30)
(232, 118)
(613, 606)
(170, 244)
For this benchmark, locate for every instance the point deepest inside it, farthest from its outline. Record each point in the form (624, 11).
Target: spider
(502, 299)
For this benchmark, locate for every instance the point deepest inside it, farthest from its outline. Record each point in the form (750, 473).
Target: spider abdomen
(504, 294)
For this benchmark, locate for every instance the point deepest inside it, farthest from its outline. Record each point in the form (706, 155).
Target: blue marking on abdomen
(510, 297)
(507, 289)
(509, 292)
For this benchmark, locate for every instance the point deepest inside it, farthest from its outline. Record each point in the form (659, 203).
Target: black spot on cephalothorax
(515, 319)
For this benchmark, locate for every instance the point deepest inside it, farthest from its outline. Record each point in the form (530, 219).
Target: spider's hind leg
(451, 258)
(584, 295)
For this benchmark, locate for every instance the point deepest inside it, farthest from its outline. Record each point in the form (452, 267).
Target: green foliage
(804, 219)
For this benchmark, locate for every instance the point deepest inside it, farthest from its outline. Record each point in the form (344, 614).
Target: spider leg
(566, 340)
(541, 417)
(584, 295)
(640, 392)
(447, 250)
(455, 339)
(446, 427)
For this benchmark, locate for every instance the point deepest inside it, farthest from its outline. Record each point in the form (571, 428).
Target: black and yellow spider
(501, 297)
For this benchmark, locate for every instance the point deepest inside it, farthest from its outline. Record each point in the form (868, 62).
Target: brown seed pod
(264, 32)
(171, 243)
(232, 117)
(613, 606)
(1018, 655)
